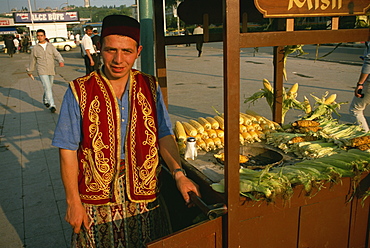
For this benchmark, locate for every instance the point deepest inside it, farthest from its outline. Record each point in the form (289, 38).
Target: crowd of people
(16, 44)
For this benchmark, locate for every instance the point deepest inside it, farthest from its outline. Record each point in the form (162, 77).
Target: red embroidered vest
(100, 148)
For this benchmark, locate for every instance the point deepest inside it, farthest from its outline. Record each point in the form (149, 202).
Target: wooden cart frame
(231, 230)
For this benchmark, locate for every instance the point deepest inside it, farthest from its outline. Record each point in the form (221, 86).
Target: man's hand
(92, 63)
(76, 216)
(186, 185)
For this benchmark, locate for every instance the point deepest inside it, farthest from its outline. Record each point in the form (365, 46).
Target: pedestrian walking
(96, 43)
(110, 180)
(90, 54)
(16, 44)
(362, 92)
(9, 44)
(199, 43)
(42, 59)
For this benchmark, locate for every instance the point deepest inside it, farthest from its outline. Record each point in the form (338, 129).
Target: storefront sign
(306, 8)
(4, 22)
(42, 17)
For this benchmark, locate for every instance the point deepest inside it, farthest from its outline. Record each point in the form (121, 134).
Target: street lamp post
(60, 7)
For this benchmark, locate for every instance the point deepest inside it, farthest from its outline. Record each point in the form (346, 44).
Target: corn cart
(329, 219)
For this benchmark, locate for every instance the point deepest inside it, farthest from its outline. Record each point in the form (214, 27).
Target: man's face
(41, 37)
(88, 32)
(119, 54)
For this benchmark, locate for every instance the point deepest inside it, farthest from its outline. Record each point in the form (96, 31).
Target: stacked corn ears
(209, 131)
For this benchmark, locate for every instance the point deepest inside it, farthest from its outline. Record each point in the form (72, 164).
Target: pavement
(32, 201)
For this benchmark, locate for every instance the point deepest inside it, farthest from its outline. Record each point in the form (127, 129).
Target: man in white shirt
(90, 55)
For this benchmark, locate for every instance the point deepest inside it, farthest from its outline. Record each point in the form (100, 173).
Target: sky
(7, 5)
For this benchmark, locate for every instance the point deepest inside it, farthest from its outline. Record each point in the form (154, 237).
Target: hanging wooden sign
(306, 8)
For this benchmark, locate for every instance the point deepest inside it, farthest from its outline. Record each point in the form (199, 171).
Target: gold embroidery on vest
(96, 169)
(148, 170)
(106, 166)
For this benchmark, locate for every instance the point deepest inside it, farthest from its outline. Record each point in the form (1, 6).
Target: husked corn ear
(254, 136)
(257, 126)
(305, 123)
(182, 148)
(358, 141)
(250, 128)
(241, 119)
(267, 85)
(189, 129)
(210, 144)
(197, 126)
(201, 144)
(260, 134)
(292, 93)
(220, 133)
(220, 121)
(198, 136)
(330, 99)
(180, 131)
(217, 142)
(247, 137)
(307, 105)
(212, 133)
(251, 118)
(241, 139)
(204, 123)
(242, 128)
(205, 135)
(214, 123)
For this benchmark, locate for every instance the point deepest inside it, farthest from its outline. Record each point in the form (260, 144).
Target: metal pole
(147, 36)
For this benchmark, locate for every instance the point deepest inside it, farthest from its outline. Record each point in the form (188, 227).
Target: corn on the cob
(260, 134)
(242, 128)
(212, 133)
(220, 133)
(267, 85)
(364, 147)
(214, 123)
(180, 131)
(189, 129)
(241, 139)
(198, 136)
(292, 93)
(305, 123)
(241, 119)
(220, 121)
(201, 145)
(257, 126)
(250, 128)
(309, 129)
(205, 135)
(247, 137)
(330, 99)
(358, 141)
(206, 125)
(197, 126)
(253, 117)
(210, 144)
(217, 142)
(307, 105)
(254, 136)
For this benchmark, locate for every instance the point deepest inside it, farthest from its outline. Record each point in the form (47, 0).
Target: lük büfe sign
(297, 8)
(42, 17)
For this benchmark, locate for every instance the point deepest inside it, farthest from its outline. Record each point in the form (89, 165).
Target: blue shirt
(68, 134)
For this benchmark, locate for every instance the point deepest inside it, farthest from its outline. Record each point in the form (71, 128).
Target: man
(9, 44)
(199, 44)
(96, 43)
(25, 43)
(42, 58)
(90, 55)
(112, 126)
(362, 92)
